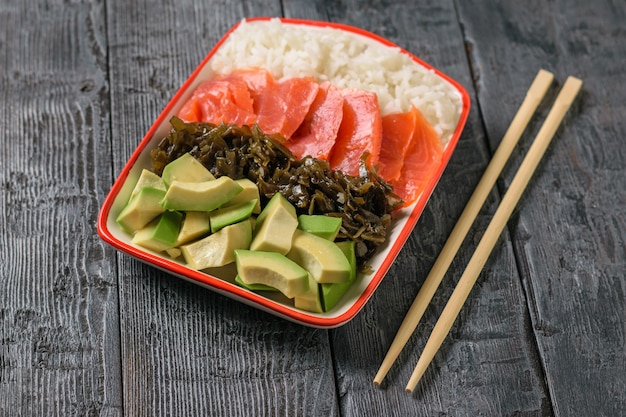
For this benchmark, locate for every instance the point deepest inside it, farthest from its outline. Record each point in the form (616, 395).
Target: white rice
(347, 60)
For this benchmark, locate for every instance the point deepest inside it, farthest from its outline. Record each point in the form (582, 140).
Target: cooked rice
(347, 60)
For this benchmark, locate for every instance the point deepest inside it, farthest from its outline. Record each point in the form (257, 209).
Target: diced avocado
(218, 249)
(174, 252)
(321, 257)
(195, 225)
(254, 287)
(310, 300)
(186, 168)
(249, 192)
(320, 225)
(141, 209)
(332, 293)
(277, 201)
(271, 269)
(200, 196)
(275, 226)
(231, 214)
(160, 234)
(147, 179)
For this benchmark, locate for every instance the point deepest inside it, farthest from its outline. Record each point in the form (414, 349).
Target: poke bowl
(323, 57)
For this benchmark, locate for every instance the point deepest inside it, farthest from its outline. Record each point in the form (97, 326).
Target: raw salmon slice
(269, 107)
(257, 79)
(191, 111)
(220, 100)
(422, 159)
(318, 131)
(360, 131)
(250, 96)
(281, 107)
(299, 94)
(398, 129)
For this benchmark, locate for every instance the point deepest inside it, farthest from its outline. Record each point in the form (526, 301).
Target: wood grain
(568, 237)
(59, 331)
(88, 331)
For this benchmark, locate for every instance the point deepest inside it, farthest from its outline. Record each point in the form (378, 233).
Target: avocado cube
(147, 179)
(271, 269)
(141, 209)
(161, 234)
(320, 225)
(231, 214)
(185, 168)
(332, 293)
(321, 257)
(195, 225)
(174, 252)
(310, 300)
(249, 192)
(218, 249)
(200, 196)
(275, 226)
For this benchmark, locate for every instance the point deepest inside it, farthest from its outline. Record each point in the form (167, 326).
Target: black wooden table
(85, 330)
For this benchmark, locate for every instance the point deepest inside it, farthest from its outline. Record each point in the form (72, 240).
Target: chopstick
(485, 246)
(534, 96)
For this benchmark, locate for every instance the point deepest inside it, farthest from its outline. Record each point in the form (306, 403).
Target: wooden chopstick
(534, 96)
(500, 218)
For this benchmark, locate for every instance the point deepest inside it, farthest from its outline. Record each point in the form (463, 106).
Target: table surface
(86, 330)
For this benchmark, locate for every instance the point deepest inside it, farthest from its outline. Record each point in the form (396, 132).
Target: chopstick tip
(574, 82)
(380, 375)
(410, 386)
(545, 75)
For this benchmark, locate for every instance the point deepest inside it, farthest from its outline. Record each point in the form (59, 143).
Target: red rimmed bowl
(442, 100)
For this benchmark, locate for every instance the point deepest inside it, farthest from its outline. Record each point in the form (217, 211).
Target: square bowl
(442, 100)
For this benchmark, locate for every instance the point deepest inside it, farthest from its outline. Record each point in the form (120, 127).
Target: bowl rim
(231, 290)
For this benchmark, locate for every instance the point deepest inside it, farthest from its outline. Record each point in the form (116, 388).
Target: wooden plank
(59, 338)
(568, 234)
(488, 364)
(185, 350)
